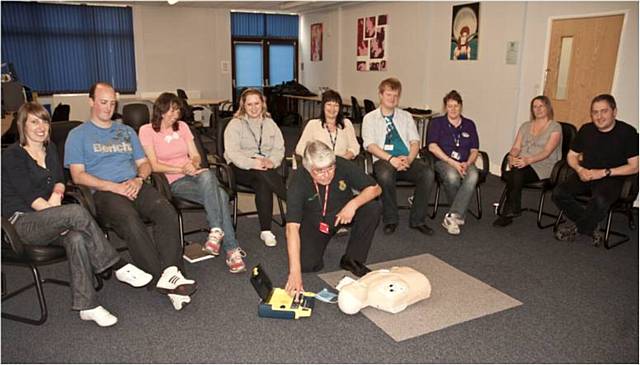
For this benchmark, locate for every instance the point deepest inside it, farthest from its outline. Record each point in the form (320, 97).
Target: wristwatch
(607, 172)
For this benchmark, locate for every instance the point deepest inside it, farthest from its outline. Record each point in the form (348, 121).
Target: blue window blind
(264, 25)
(247, 25)
(281, 63)
(248, 64)
(65, 48)
(282, 26)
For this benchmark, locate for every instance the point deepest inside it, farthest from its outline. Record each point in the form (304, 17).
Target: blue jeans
(205, 189)
(459, 190)
(88, 251)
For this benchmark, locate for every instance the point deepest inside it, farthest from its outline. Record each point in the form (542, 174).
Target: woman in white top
(332, 128)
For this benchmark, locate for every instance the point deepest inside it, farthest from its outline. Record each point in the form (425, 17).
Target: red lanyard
(326, 198)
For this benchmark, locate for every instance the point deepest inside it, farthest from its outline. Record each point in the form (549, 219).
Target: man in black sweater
(602, 153)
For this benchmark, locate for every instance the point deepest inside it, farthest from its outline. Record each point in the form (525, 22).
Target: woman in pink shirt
(170, 148)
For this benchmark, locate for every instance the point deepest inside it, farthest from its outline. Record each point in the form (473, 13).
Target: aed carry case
(276, 302)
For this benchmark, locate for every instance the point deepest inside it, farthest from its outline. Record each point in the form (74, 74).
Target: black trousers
(151, 254)
(421, 174)
(516, 179)
(264, 183)
(604, 192)
(313, 242)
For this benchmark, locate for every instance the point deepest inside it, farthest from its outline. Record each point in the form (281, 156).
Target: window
(265, 50)
(58, 48)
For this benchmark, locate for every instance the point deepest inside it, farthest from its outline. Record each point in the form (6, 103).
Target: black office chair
(187, 110)
(239, 188)
(61, 113)
(624, 204)
(16, 253)
(135, 115)
(223, 172)
(569, 132)
(482, 178)
(356, 111)
(369, 106)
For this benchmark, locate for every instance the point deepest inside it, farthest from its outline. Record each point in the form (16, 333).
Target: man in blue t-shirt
(108, 158)
(390, 135)
(602, 154)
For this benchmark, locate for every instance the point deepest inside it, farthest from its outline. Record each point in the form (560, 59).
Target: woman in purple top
(453, 140)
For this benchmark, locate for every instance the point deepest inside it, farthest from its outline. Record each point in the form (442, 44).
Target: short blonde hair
(391, 83)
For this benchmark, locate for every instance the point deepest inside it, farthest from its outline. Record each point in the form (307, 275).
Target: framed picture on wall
(464, 32)
(371, 43)
(316, 42)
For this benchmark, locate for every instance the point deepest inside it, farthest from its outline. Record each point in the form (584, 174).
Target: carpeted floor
(580, 305)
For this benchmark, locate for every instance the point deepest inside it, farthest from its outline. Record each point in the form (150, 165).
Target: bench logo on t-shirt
(120, 143)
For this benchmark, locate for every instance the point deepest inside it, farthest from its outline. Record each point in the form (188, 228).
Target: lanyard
(326, 198)
(456, 133)
(258, 142)
(333, 140)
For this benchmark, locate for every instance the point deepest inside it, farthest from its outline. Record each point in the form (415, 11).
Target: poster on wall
(316, 42)
(371, 43)
(464, 31)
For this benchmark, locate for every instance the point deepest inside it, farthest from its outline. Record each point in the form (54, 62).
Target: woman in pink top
(168, 143)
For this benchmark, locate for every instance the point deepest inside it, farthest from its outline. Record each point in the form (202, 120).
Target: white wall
(496, 95)
(182, 47)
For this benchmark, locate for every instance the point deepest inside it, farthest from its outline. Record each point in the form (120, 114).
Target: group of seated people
(330, 192)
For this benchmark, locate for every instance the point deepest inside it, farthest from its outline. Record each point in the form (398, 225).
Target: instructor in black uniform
(320, 199)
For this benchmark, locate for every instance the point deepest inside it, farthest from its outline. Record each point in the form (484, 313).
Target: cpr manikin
(389, 290)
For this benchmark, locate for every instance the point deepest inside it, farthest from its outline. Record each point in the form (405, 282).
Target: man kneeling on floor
(320, 199)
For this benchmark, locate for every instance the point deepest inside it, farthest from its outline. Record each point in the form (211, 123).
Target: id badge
(323, 227)
(388, 147)
(455, 155)
(258, 155)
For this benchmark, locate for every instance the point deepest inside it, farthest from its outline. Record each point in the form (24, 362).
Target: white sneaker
(179, 301)
(268, 238)
(450, 225)
(172, 282)
(99, 315)
(458, 219)
(132, 275)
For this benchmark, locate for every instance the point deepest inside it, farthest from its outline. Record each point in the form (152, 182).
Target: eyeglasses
(325, 171)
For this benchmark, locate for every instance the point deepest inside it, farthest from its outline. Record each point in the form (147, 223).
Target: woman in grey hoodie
(254, 148)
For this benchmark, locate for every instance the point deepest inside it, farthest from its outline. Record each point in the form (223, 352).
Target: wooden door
(581, 64)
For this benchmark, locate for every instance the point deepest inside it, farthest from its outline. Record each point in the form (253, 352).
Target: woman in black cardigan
(32, 192)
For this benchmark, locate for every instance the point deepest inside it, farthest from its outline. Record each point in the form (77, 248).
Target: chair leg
(434, 212)
(556, 224)
(235, 211)
(608, 233)
(541, 212)
(37, 282)
(283, 219)
(478, 203)
(181, 228)
(502, 201)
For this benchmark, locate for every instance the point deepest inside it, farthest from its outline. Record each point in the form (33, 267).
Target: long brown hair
(162, 105)
(243, 99)
(38, 111)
